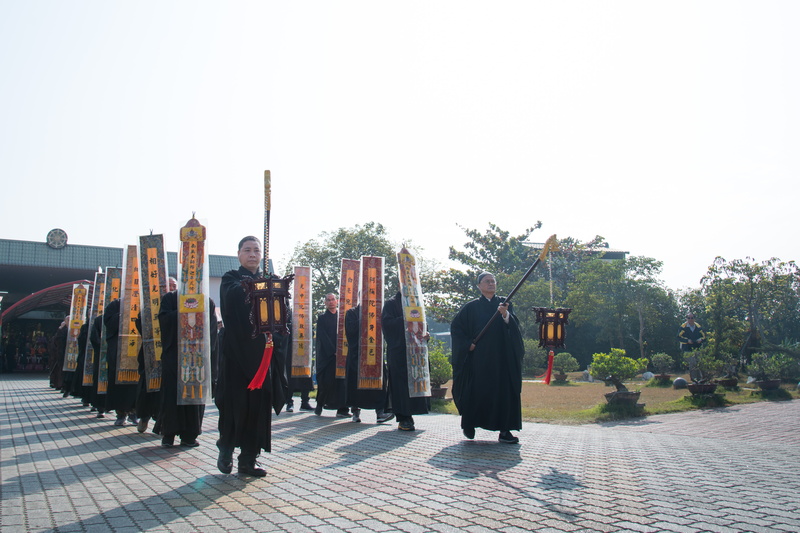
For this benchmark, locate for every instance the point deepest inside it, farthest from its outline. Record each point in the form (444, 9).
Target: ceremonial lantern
(551, 326)
(551, 333)
(269, 297)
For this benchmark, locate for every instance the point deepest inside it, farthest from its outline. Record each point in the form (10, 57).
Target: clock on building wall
(56, 238)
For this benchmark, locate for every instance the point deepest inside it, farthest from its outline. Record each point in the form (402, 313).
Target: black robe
(186, 421)
(245, 419)
(57, 349)
(98, 400)
(394, 333)
(361, 398)
(120, 398)
(78, 389)
(331, 392)
(148, 403)
(487, 382)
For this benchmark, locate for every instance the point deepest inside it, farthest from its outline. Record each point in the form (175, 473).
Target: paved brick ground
(733, 469)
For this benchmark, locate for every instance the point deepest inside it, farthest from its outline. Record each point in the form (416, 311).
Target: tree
(625, 302)
(755, 304)
(324, 255)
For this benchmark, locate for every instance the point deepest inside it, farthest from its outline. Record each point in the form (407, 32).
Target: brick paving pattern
(732, 469)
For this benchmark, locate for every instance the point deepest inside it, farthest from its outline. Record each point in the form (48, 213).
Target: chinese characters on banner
(348, 294)
(302, 336)
(129, 338)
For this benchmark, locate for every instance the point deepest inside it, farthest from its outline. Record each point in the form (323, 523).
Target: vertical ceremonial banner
(370, 355)
(419, 379)
(129, 338)
(89, 361)
(348, 294)
(77, 316)
(301, 323)
(194, 337)
(113, 292)
(153, 285)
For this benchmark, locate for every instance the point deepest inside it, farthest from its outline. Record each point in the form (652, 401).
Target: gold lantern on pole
(551, 332)
(551, 326)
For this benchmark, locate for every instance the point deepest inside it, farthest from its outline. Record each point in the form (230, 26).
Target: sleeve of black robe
(94, 334)
(243, 352)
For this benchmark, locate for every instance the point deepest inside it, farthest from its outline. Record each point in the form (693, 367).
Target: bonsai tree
(730, 365)
(614, 367)
(564, 362)
(703, 366)
(765, 367)
(441, 370)
(662, 363)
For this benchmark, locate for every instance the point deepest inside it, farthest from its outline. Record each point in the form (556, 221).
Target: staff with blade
(487, 366)
(252, 379)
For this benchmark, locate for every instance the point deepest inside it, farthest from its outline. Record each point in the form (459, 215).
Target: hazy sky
(669, 128)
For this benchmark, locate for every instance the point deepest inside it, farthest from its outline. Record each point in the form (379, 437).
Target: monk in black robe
(487, 377)
(245, 420)
(120, 397)
(331, 392)
(185, 421)
(358, 399)
(95, 338)
(394, 332)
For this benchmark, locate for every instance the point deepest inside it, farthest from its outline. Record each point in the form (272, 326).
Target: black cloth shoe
(305, 406)
(507, 437)
(168, 442)
(469, 432)
(356, 415)
(342, 414)
(384, 417)
(406, 425)
(225, 463)
(252, 470)
(190, 443)
(318, 410)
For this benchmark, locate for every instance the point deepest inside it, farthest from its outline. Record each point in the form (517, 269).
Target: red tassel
(549, 372)
(261, 374)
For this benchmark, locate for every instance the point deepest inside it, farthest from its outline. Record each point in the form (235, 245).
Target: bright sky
(666, 127)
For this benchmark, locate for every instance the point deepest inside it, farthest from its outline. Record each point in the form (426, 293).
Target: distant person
(487, 376)
(690, 334)
(331, 392)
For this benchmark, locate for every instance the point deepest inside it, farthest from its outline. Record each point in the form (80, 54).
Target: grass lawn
(576, 402)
